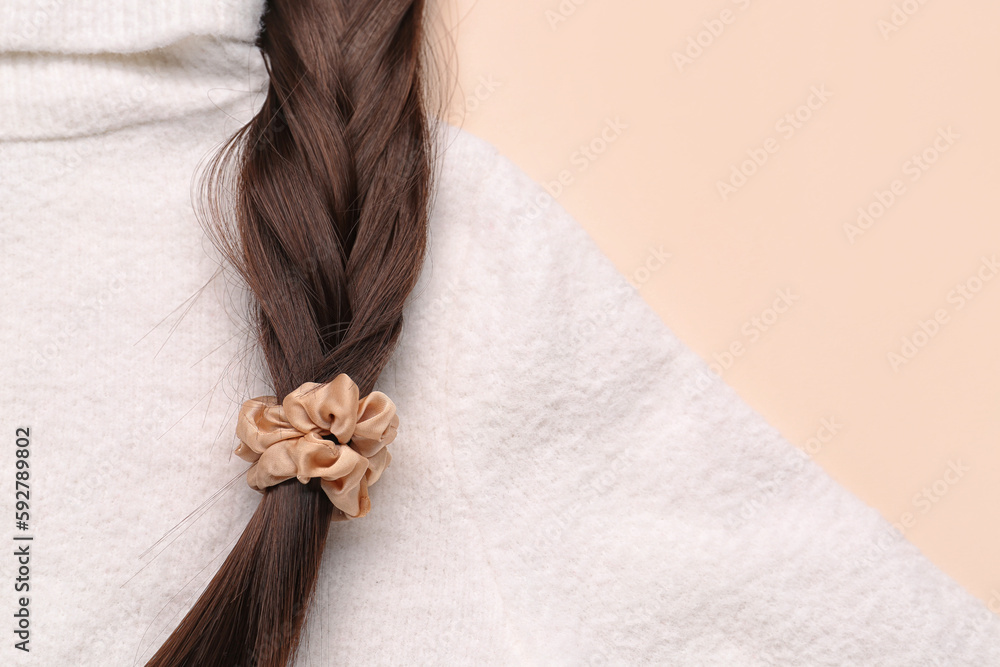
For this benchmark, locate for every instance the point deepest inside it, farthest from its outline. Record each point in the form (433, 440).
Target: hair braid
(330, 184)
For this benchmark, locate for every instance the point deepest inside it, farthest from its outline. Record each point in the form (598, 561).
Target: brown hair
(327, 191)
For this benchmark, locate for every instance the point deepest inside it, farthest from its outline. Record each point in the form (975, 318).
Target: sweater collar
(78, 67)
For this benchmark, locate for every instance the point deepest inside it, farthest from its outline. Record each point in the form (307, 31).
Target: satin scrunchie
(286, 440)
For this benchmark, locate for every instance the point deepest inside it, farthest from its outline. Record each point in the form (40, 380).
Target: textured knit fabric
(569, 485)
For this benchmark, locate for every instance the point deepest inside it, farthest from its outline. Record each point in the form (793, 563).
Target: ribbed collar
(76, 67)
(121, 26)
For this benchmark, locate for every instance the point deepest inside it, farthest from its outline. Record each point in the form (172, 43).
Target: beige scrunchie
(286, 440)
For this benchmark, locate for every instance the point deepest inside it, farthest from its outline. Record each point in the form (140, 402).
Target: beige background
(850, 102)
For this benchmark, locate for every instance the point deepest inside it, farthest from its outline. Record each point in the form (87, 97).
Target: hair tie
(286, 440)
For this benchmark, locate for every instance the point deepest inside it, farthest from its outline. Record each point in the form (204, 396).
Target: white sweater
(570, 486)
